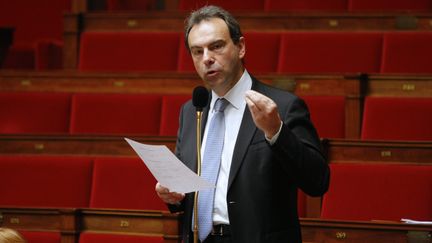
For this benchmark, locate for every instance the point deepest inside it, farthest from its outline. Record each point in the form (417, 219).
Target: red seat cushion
(36, 113)
(394, 118)
(129, 51)
(379, 192)
(327, 114)
(87, 237)
(137, 114)
(124, 183)
(45, 181)
(407, 53)
(330, 52)
(171, 105)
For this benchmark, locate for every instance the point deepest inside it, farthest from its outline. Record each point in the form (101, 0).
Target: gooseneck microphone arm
(199, 99)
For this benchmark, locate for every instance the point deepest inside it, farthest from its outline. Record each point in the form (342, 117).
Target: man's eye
(217, 46)
(197, 52)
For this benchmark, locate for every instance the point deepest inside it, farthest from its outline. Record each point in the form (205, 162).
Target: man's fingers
(260, 101)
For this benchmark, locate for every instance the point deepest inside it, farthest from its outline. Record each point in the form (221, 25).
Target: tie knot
(220, 104)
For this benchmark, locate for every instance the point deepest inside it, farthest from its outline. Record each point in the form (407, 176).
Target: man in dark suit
(270, 147)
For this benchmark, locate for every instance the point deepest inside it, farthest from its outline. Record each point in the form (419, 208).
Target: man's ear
(242, 47)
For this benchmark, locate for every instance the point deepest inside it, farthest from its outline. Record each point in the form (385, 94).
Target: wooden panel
(399, 86)
(77, 145)
(71, 222)
(344, 151)
(329, 231)
(63, 221)
(130, 221)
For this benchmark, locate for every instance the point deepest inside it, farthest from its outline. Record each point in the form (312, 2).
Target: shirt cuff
(272, 140)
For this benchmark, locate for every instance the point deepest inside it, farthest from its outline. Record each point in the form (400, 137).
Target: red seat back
(137, 114)
(378, 192)
(88, 237)
(124, 183)
(230, 5)
(327, 114)
(306, 5)
(407, 52)
(330, 52)
(45, 181)
(128, 51)
(171, 105)
(259, 59)
(25, 112)
(390, 5)
(395, 118)
(41, 237)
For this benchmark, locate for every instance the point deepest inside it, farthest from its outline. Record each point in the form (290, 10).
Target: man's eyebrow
(218, 41)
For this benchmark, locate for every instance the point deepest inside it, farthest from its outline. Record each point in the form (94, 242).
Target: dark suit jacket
(263, 181)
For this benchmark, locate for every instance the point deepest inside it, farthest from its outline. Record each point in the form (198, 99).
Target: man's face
(216, 58)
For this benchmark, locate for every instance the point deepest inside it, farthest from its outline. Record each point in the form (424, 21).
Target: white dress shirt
(233, 117)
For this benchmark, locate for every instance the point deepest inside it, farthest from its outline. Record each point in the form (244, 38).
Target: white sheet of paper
(168, 170)
(410, 221)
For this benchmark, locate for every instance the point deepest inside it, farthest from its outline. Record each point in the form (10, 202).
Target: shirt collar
(237, 93)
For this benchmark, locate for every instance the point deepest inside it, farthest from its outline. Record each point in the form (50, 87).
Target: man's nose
(208, 57)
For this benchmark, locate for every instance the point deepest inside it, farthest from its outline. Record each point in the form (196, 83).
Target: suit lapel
(245, 135)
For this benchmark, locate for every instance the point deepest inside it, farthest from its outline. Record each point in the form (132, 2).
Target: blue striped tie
(210, 167)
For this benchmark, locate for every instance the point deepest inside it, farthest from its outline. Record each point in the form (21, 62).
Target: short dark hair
(208, 12)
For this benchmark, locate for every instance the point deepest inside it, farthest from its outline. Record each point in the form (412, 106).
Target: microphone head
(200, 97)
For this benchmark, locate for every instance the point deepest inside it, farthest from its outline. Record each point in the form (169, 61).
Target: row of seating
(279, 5)
(77, 182)
(98, 114)
(388, 118)
(123, 183)
(286, 52)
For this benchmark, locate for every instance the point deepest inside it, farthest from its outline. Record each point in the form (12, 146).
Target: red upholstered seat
(45, 181)
(259, 59)
(171, 105)
(33, 21)
(378, 192)
(35, 113)
(329, 52)
(306, 5)
(137, 114)
(395, 118)
(230, 5)
(41, 237)
(88, 237)
(327, 114)
(124, 183)
(390, 5)
(407, 52)
(129, 51)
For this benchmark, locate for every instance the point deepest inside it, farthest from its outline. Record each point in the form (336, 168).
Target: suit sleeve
(298, 150)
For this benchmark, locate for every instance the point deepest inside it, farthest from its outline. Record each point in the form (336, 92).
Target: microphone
(199, 99)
